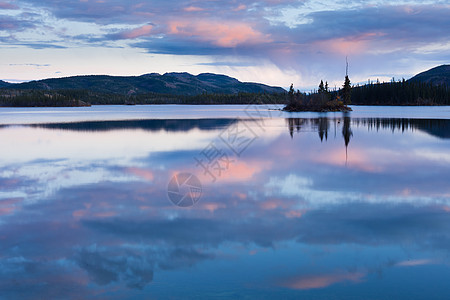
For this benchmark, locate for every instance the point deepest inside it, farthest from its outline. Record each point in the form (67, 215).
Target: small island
(321, 100)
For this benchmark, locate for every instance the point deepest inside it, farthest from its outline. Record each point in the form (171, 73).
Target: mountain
(4, 84)
(437, 76)
(168, 83)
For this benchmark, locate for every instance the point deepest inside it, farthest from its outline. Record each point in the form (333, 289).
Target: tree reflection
(347, 134)
(322, 126)
(435, 127)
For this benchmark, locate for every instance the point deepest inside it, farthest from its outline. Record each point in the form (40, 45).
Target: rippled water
(304, 205)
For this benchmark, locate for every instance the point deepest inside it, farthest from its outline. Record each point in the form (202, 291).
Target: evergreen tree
(291, 94)
(346, 91)
(321, 87)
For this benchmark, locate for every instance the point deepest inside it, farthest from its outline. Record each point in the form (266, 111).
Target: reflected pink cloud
(100, 210)
(446, 208)
(211, 207)
(415, 262)
(142, 173)
(193, 9)
(79, 213)
(222, 34)
(322, 281)
(271, 204)
(295, 213)
(237, 171)
(241, 171)
(357, 159)
(9, 206)
(240, 195)
(105, 214)
(240, 7)
(6, 5)
(286, 206)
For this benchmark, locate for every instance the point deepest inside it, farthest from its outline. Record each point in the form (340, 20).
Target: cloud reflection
(315, 282)
(289, 200)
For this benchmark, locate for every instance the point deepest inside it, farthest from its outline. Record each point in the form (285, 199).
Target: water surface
(302, 205)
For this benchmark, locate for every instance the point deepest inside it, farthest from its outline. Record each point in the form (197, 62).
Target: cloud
(142, 31)
(13, 24)
(142, 173)
(38, 46)
(224, 34)
(32, 65)
(299, 37)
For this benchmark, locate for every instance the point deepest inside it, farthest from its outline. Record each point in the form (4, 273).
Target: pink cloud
(145, 30)
(222, 34)
(316, 282)
(193, 9)
(349, 45)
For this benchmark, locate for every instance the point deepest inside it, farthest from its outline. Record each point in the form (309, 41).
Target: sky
(276, 42)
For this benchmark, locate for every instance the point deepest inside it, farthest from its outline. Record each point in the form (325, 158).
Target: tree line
(373, 93)
(401, 92)
(52, 98)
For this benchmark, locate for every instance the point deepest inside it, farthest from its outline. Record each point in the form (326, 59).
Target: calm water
(304, 205)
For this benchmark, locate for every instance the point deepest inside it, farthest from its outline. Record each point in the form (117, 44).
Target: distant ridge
(4, 84)
(168, 83)
(437, 76)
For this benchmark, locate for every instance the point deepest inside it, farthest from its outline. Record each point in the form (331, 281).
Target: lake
(224, 202)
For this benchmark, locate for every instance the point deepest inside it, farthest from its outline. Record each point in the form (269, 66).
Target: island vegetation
(321, 101)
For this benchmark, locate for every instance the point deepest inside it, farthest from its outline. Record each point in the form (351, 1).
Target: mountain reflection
(148, 125)
(323, 125)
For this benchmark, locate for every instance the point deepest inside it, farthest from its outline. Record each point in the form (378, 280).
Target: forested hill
(169, 83)
(431, 87)
(436, 76)
(4, 84)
